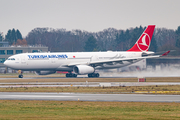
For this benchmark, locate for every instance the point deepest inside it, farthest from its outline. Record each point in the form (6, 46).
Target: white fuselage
(83, 62)
(59, 61)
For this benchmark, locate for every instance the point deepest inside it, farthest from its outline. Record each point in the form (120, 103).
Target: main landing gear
(20, 74)
(71, 75)
(93, 75)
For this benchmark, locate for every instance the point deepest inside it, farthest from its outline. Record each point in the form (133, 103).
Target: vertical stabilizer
(143, 43)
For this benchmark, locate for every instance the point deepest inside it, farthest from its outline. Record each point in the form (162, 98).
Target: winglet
(166, 53)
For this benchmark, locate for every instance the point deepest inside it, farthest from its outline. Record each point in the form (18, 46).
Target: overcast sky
(89, 15)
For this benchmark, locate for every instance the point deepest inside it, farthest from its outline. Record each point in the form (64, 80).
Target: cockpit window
(11, 59)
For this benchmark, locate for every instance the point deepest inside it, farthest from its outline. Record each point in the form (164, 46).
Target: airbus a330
(81, 63)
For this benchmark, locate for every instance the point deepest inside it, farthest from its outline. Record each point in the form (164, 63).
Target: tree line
(61, 40)
(14, 37)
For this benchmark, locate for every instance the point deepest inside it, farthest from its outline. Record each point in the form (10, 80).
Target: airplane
(82, 63)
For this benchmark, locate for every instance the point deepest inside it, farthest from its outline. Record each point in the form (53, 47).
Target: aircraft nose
(6, 63)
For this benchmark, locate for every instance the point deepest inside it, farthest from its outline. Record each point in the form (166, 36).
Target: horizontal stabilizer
(166, 53)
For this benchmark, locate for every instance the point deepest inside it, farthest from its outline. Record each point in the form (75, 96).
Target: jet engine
(83, 69)
(45, 72)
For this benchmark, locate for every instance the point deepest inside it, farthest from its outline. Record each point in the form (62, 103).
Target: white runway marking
(34, 96)
(82, 84)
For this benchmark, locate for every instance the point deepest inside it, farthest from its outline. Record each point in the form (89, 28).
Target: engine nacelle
(45, 72)
(83, 69)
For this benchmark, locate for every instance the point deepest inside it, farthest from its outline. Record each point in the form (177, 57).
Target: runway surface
(134, 74)
(83, 77)
(80, 96)
(16, 78)
(89, 97)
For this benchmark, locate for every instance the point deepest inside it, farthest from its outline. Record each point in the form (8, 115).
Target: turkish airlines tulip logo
(144, 42)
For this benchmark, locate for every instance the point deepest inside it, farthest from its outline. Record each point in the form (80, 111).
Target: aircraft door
(23, 61)
(53, 60)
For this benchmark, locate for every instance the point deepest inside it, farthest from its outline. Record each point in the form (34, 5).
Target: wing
(111, 61)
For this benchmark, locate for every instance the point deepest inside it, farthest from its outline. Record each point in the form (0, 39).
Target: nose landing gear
(20, 74)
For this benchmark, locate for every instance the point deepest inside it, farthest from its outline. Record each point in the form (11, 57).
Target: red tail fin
(143, 43)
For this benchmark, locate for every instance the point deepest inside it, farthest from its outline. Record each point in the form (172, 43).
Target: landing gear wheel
(67, 75)
(97, 74)
(74, 75)
(71, 75)
(89, 75)
(20, 76)
(93, 75)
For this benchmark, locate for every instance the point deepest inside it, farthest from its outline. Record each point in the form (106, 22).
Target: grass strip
(62, 79)
(17, 109)
(111, 90)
